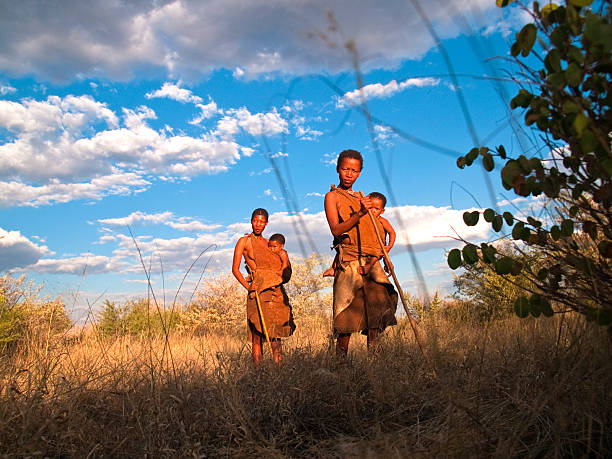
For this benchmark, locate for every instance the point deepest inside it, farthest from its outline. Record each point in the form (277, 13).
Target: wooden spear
(263, 323)
(397, 285)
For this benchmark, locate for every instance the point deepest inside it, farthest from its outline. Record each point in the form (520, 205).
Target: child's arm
(285, 267)
(390, 231)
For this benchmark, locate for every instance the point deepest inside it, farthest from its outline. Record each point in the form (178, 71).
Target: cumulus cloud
(6, 89)
(206, 111)
(383, 91)
(270, 123)
(426, 227)
(80, 265)
(17, 251)
(161, 218)
(20, 194)
(187, 38)
(74, 147)
(174, 92)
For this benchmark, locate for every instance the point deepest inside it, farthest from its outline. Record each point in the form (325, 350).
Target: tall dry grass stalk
(510, 389)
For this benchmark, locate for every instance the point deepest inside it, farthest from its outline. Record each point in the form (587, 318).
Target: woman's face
(258, 223)
(348, 171)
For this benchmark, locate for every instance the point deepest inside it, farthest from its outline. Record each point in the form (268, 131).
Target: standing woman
(264, 280)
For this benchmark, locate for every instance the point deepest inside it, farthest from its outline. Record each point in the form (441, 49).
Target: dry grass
(532, 388)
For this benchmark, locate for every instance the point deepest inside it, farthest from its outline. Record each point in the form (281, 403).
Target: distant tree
(136, 317)
(484, 294)
(25, 317)
(567, 100)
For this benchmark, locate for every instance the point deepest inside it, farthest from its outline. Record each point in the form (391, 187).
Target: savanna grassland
(504, 388)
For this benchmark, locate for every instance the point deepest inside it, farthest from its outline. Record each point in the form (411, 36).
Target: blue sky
(178, 118)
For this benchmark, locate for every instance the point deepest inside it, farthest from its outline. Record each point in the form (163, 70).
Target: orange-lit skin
(244, 248)
(348, 171)
(377, 210)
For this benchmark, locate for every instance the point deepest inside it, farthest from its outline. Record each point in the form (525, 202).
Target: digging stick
(263, 322)
(397, 285)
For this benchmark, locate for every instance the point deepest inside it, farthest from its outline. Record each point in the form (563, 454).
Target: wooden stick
(397, 285)
(263, 323)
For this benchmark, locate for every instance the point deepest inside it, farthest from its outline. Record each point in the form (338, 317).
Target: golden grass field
(513, 388)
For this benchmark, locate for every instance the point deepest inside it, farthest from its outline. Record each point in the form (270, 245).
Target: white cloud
(206, 111)
(307, 133)
(187, 38)
(79, 265)
(161, 218)
(381, 91)
(270, 123)
(6, 89)
(426, 227)
(20, 194)
(174, 92)
(59, 148)
(17, 251)
(137, 218)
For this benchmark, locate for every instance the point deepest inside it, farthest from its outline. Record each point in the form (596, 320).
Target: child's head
(276, 242)
(259, 220)
(379, 201)
(350, 163)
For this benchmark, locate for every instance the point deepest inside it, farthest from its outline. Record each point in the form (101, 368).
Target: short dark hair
(377, 195)
(354, 154)
(259, 211)
(277, 238)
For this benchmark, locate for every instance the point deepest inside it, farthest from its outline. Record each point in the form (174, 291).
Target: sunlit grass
(512, 388)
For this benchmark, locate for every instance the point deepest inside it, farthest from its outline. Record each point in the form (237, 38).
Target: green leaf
(471, 156)
(547, 9)
(581, 2)
(503, 266)
(567, 227)
(454, 259)
(470, 255)
(553, 61)
(570, 107)
(497, 223)
(573, 75)
(503, 3)
(509, 172)
(488, 253)
(517, 231)
(555, 233)
(522, 99)
(526, 38)
(580, 123)
(509, 218)
(488, 215)
(488, 162)
(521, 307)
(471, 218)
(517, 267)
(546, 308)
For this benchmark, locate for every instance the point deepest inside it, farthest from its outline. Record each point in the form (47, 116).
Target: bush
(136, 317)
(568, 104)
(24, 316)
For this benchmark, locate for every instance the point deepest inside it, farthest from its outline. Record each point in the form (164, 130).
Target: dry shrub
(509, 388)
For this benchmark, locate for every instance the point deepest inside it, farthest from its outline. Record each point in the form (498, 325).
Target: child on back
(276, 244)
(379, 201)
